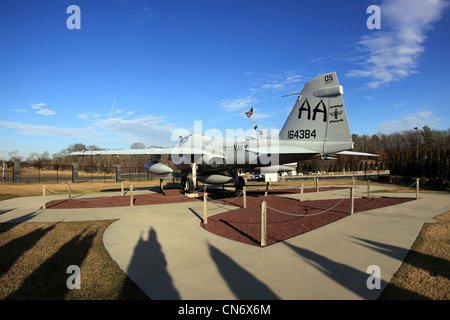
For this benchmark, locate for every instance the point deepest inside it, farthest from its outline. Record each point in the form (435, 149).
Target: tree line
(63, 159)
(421, 152)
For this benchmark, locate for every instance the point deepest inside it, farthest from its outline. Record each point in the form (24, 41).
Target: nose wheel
(188, 185)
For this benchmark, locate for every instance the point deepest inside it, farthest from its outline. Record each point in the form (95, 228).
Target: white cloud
(148, 129)
(45, 112)
(45, 130)
(19, 110)
(127, 128)
(263, 89)
(280, 84)
(38, 105)
(392, 53)
(88, 115)
(409, 121)
(42, 111)
(237, 104)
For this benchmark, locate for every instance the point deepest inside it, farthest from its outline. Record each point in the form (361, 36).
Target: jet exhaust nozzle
(157, 168)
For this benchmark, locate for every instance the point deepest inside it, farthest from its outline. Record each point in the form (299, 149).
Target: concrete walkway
(165, 251)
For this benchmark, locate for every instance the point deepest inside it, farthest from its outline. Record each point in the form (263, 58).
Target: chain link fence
(23, 172)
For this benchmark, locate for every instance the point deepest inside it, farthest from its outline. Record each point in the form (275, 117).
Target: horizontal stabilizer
(281, 150)
(273, 169)
(354, 153)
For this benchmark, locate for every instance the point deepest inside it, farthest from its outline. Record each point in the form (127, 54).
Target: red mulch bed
(169, 196)
(244, 225)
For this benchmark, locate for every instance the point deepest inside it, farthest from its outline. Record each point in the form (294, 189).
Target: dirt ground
(244, 224)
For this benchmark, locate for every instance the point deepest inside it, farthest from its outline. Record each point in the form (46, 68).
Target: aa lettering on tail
(319, 108)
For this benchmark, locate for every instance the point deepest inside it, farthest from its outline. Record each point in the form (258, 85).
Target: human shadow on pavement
(242, 283)
(148, 269)
(351, 278)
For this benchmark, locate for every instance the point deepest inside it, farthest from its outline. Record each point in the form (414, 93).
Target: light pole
(417, 151)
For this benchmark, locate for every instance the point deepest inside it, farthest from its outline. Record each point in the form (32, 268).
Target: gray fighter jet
(316, 127)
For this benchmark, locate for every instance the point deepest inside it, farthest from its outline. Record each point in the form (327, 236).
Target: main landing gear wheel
(188, 185)
(240, 184)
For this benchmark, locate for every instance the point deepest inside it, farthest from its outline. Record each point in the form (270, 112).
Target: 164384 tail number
(301, 134)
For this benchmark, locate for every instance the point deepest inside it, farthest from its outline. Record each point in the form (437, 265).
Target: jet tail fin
(319, 116)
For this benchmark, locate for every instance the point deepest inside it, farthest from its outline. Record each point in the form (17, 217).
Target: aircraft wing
(152, 151)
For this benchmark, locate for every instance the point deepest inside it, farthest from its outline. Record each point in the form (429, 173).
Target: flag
(249, 113)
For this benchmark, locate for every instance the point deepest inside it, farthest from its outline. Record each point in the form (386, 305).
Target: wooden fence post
(417, 188)
(69, 191)
(131, 196)
(352, 192)
(205, 207)
(301, 190)
(269, 184)
(43, 197)
(263, 223)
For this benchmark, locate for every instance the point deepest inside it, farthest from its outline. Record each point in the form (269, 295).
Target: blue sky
(137, 70)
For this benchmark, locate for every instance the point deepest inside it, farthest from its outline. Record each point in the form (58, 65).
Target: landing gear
(188, 185)
(240, 184)
(189, 182)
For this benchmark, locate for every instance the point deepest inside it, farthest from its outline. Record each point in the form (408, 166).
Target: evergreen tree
(421, 165)
(401, 165)
(428, 160)
(443, 166)
(448, 165)
(435, 164)
(427, 134)
(412, 165)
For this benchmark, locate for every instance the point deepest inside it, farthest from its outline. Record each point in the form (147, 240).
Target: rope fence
(263, 205)
(264, 208)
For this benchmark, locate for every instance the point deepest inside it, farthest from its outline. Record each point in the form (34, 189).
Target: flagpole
(253, 120)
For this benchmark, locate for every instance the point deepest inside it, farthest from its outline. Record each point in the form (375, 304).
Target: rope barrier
(221, 203)
(226, 201)
(55, 192)
(307, 215)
